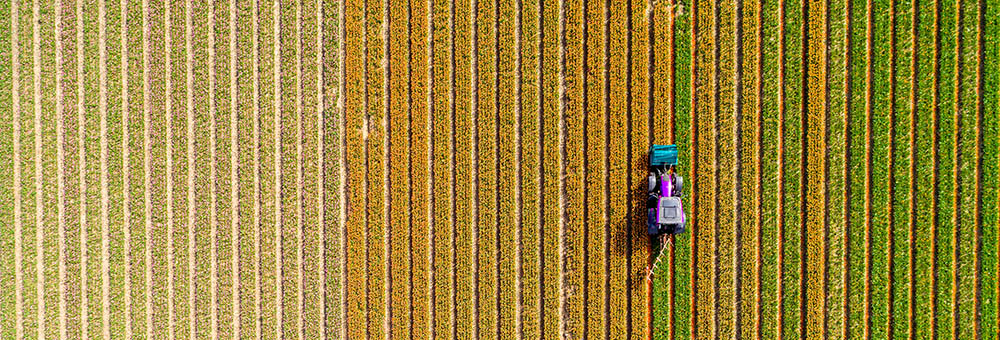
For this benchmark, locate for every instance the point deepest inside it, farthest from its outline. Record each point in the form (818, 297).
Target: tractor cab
(664, 205)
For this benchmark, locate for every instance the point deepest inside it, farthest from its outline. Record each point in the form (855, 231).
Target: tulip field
(476, 169)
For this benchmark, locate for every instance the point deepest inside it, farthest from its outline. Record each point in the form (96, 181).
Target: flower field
(401, 169)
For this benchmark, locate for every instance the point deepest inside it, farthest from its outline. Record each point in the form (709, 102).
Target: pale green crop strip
(838, 185)
(927, 168)
(8, 231)
(792, 154)
(989, 85)
(968, 144)
(901, 232)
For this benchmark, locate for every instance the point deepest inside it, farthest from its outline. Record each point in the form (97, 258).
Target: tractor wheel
(678, 186)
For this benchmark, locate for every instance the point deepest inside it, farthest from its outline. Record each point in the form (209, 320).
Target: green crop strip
(900, 234)
(8, 231)
(968, 150)
(989, 84)
(680, 316)
(857, 160)
(945, 240)
(927, 168)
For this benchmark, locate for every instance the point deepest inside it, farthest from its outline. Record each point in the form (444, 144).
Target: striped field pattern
(473, 169)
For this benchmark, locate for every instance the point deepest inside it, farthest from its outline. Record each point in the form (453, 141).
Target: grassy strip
(945, 239)
(640, 112)
(990, 149)
(616, 47)
(837, 171)
(815, 178)
(704, 216)
(793, 130)
(290, 218)
(857, 169)
(46, 167)
(178, 171)
(375, 14)
(312, 249)
(332, 153)
(531, 206)
(70, 173)
(90, 252)
(156, 128)
(399, 162)
(114, 178)
(247, 141)
(725, 176)
(135, 126)
(551, 205)
(507, 242)
(680, 311)
(443, 225)
(595, 189)
(224, 163)
(968, 144)
(574, 228)
(357, 306)
(927, 169)
(462, 148)
(486, 179)
(901, 200)
(750, 169)
(7, 229)
(770, 196)
(880, 109)
(419, 171)
(205, 218)
(29, 224)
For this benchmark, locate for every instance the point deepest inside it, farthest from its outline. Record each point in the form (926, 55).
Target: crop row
(399, 180)
(595, 165)
(356, 132)
(815, 167)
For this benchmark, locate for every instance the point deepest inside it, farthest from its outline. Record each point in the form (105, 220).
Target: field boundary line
(957, 125)
(300, 183)
(213, 191)
(39, 234)
(518, 182)
(105, 232)
(168, 46)
(738, 171)
(60, 181)
(146, 169)
(81, 174)
(890, 208)
(278, 218)
(321, 161)
(234, 164)
(342, 125)
(256, 173)
(16, 127)
(780, 311)
(868, 168)
(126, 170)
(934, 174)
(474, 158)
(848, 104)
(977, 207)
(386, 180)
(759, 156)
(914, 43)
(562, 166)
